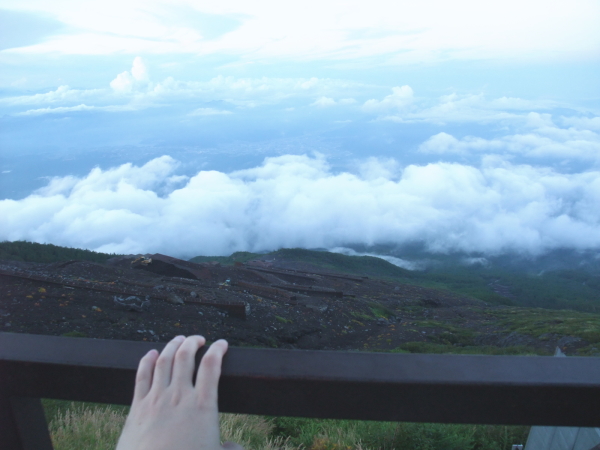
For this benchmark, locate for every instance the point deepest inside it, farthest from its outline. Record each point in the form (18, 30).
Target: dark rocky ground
(267, 304)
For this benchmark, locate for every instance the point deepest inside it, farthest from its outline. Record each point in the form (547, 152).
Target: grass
(361, 316)
(380, 310)
(538, 322)
(98, 427)
(326, 434)
(283, 319)
(451, 335)
(85, 427)
(90, 426)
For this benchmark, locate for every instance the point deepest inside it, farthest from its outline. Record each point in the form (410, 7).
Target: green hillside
(554, 289)
(358, 265)
(575, 289)
(228, 260)
(46, 253)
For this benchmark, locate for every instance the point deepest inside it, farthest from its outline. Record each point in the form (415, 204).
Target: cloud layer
(543, 139)
(299, 201)
(134, 90)
(399, 32)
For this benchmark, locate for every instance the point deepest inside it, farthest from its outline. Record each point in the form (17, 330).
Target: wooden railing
(508, 390)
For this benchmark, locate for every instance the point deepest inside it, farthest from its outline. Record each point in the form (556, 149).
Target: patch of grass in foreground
(91, 426)
(86, 427)
(326, 434)
(75, 426)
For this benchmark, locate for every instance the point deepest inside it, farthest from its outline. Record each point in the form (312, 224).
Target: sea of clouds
(300, 201)
(487, 175)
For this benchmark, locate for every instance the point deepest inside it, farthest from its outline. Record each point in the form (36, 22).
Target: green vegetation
(561, 293)
(538, 321)
(380, 310)
(558, 289)
(362, 316)
(241, 257)
(47, 253)
(326, 434)
(75, 426)
(357, 265)
(542, 323)
(92, 426)
(452, 335)
(74, 334)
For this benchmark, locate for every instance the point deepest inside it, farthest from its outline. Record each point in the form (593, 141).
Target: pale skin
(170, 413)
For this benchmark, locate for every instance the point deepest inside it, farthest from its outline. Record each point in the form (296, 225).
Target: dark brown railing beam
(340, 385)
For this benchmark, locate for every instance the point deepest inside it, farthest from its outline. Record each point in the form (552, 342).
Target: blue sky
(192, 128)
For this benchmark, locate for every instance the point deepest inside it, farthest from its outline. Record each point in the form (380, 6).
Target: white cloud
(138, 70)
(123, 82)
(78, 108)
(398, 99)
(391, 259)
(442, 143)
(209, 112)
(403, 107)
(133, 89)
(400, 32)
(546, 140)
(373, 168)
(57, 110)
(324, 102)
(476, 261)
(256, 90)
(136, 78)
(270, 89)
(583, 123)
(298, 201)
(454, 108)
(61, 94)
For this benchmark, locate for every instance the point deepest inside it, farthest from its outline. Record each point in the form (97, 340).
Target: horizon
(210, 129)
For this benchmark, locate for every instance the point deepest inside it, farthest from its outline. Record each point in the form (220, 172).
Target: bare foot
(170, 413)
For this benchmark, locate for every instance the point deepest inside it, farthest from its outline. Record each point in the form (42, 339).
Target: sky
(203, 128)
